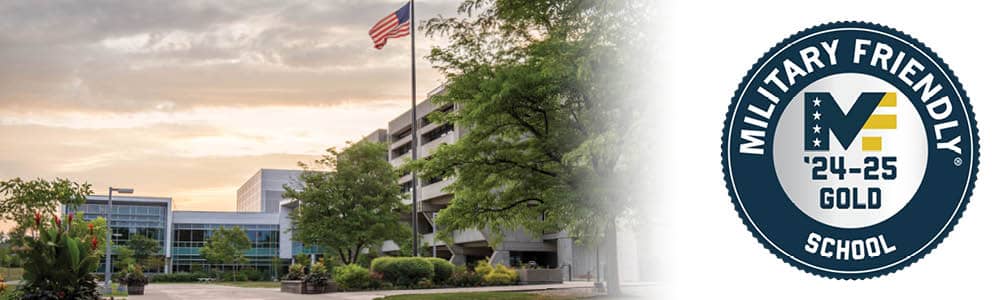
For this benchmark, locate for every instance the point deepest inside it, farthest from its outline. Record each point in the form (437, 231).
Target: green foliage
(97, 228)
(180, 277)
(318, 274)
(352, 277)
(466, 278)
(301, 258)
(425, 284)
(20, 200)
(296, 271)
(144, 248)
(353, 205)
(442, 269)
(495, 275)
(234, 276)
(254, 275)
(123, 257)
(133, 276)
(545, 114)
(9, 293)
(226, 246)
(58, 264)
(403, 271)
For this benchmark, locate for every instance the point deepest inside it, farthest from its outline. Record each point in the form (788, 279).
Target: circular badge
(850, 150)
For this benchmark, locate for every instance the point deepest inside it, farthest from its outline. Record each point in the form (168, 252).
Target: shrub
(230, 276)
(59, 262)
(466, 279)
(442, 269)
(177, 277)
(133, 276)
(425, 284)
(499, 275)
(296, 272)
(318, 274)
(403, 271)
(253, 275)
(483, 268)
(352, 277)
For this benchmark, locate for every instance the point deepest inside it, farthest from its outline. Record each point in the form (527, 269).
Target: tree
(123, 257)
(20, 200)
(353, 205)
(146, 251)
(227, 246)
(540, 90)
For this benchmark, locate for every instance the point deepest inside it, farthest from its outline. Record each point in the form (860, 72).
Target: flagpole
(415, 145)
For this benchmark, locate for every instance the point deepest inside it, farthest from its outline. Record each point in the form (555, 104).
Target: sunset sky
(187, 99)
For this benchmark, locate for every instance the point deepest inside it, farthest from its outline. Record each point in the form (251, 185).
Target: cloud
(187, 99)
(143, 55)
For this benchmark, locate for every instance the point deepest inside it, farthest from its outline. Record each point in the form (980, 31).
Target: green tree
(123, 257)
(146, 251)
(540, 90)
(353, 204)
(227, 246)
(21, 200)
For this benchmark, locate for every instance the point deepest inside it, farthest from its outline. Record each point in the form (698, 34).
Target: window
(437, 133)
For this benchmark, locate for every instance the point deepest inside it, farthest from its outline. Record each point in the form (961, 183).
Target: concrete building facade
(263, 192)
(264, 214)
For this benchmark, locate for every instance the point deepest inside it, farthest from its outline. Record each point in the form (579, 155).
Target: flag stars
(816, 143)
(816, 101)
(816, 115)
(816, 128)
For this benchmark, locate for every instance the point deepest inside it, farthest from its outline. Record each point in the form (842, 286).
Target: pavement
(212, 291)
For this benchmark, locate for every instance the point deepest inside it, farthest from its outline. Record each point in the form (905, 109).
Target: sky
(188, 99)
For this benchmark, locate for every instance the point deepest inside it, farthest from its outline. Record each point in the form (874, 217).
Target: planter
(314, 289)
(539, 276)
(301, 287)
(293, 286)
(136, 289)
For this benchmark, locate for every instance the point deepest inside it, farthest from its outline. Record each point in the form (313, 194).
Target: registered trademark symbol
(958, 161)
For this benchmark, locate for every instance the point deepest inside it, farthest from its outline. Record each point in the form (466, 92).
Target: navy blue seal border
(913, 257)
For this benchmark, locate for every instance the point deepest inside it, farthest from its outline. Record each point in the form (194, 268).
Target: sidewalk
(367, 295)
(211, 291)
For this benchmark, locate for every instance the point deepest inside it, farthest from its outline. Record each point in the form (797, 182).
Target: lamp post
(107, 244)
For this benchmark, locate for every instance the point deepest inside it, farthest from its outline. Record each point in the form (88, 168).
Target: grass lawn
(250, 284)
(477, 296)
(122, 294)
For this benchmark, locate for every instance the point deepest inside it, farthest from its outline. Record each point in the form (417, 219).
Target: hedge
(179, 277)
(403, 271)
(442, 269)
(352, 277)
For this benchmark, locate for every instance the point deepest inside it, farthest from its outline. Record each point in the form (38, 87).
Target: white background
(709, 46)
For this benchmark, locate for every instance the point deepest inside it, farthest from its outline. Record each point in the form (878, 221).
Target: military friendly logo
(850, 150)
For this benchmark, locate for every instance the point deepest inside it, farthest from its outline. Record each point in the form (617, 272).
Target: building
(130, 216)
(551, 250)
(264, 214)
(263, 192)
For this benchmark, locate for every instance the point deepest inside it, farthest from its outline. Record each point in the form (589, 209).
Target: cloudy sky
(187, 99)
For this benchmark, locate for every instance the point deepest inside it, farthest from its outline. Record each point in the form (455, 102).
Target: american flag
(395, 25)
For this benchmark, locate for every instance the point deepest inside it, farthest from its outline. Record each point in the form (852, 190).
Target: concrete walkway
(212, 291)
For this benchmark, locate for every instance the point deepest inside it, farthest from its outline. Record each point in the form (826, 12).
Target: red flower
(57, 220)
(69, 220)
(91, 227)
(38, 219)
(61, 294)
(93, 243)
